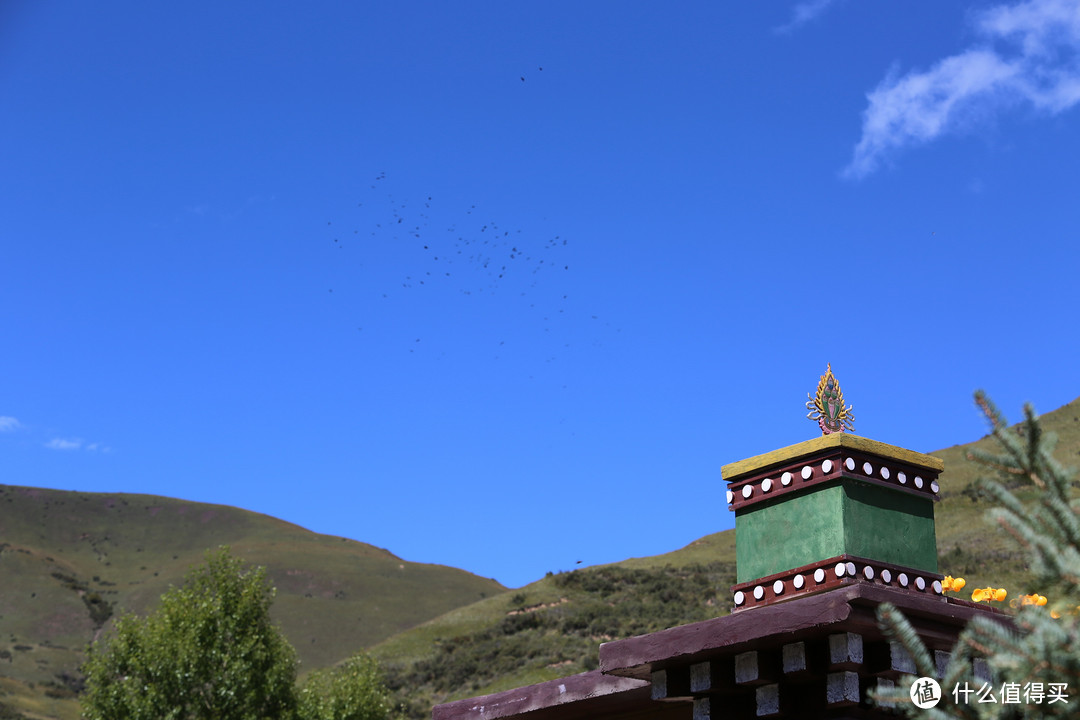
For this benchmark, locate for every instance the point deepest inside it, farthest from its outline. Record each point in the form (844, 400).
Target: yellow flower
(953, 584)
(988, 593)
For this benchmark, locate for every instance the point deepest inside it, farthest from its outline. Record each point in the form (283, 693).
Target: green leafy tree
(209, 652)
(352, 691)
(1040, 654)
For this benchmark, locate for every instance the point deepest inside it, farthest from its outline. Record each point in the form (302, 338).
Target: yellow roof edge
(736, 470)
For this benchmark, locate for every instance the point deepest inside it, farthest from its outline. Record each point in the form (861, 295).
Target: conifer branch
(1039, 647)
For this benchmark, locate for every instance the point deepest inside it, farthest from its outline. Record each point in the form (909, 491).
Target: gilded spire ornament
(827, 406)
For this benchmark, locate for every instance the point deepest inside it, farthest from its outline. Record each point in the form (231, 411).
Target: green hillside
(70, 562)
(489, 646)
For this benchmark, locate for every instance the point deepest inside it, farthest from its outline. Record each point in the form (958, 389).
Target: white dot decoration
(747, 491)
(934, 487)
(850, 463)
(918, 482)
(886, 576)
(807, 472)
(766, 485)
(902, 477)
(885, 472)
(819, 575)
(778, 587)
(902, 577)
(920, 583)
(937, 587)
(868, 572)
(798, 581)
(867, 468)
(841, 568)
(730, 497)
(740, 598)
(785, 479)
(851, 569)
(826, 467)
(759, 592)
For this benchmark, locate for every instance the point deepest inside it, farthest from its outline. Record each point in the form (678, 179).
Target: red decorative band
(830, 466)
(831, 573)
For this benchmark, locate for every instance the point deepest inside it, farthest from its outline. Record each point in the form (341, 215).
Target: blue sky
(503, 285)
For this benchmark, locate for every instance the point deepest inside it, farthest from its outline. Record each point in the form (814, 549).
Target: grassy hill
(69, 559)
(71, 562)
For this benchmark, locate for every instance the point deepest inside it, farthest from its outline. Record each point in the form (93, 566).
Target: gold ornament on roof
(827, 406)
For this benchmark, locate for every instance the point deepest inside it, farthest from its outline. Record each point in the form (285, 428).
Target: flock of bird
(458, 252)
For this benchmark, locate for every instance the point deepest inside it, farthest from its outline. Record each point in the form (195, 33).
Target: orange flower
(988, 593)
(953, 584)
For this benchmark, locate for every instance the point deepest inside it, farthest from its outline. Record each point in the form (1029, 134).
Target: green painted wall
(890, 526)
(797, 530)
(855, 518)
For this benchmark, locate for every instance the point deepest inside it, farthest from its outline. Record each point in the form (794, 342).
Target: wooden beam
(738, 705)
(846, 651)
(671, 685)
(755, 668)
(888, 659)
(712, 676)
(941, 661)
(842, 688)
(767, 699)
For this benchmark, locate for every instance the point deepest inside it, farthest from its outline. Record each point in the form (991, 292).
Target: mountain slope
(71, 562)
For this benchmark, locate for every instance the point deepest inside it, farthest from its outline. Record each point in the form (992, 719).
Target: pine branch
(1038, 648)
(1001, 463)
(1033, 432)
(1065, 519)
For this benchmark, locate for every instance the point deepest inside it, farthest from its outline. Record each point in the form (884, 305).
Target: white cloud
(64, 444)
(1042, 69)
(1039, 25)
(803, 13)
(7, 423)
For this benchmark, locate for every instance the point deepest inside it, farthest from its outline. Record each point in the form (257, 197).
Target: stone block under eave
(835, 495)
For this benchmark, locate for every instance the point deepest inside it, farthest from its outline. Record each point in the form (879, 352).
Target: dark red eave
(848, 609)
(585, 695)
